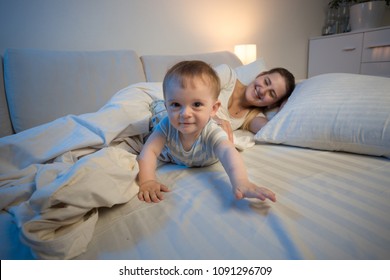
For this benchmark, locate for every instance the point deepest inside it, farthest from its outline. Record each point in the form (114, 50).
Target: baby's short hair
(183, 73)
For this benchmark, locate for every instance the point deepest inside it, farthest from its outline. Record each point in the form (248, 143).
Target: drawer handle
(378, 46)
(349, 49)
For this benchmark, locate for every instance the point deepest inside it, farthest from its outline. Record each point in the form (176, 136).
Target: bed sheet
(331, 205)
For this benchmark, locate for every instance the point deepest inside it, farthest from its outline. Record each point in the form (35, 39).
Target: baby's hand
(151, 191)
(250, 190)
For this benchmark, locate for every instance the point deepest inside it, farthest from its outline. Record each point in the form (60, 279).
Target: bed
(325, 155)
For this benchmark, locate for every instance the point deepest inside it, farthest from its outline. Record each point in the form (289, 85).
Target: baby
(188, 135)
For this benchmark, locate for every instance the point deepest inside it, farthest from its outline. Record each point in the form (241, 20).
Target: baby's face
(190, 108)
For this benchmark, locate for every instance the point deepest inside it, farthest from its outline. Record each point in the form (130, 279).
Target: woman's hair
(290, 85)
(183, 73)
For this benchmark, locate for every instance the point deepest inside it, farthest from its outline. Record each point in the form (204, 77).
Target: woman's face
(266, 90)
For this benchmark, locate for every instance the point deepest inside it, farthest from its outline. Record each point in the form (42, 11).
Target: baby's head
(191, 90)
(188, 73)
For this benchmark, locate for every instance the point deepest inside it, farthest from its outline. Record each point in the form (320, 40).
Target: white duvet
(55, 176)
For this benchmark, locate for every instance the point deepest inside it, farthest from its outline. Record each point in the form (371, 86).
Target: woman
(244, 107)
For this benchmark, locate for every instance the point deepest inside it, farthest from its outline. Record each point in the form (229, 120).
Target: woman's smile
(257, 93)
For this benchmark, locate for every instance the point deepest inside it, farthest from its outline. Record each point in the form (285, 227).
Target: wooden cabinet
(366, 52)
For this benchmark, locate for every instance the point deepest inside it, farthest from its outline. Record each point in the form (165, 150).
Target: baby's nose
(185, 111)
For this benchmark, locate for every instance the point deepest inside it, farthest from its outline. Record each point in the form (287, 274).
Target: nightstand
(361, 52)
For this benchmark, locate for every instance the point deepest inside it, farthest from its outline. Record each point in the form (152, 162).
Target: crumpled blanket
(59, 218)
(54, 177)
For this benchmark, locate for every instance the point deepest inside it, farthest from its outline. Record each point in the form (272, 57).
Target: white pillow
(247, 73)
(336, 112)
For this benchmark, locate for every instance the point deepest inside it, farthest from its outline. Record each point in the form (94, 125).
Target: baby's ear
(216, 106)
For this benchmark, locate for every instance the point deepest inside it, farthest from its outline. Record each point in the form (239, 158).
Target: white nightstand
(361, 52)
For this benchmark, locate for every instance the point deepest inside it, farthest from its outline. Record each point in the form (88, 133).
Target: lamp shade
(246, 53)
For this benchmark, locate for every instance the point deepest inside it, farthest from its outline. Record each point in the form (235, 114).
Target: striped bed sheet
(330, 206)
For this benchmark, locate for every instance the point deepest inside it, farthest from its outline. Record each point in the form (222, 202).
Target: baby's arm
(149, 189)
(235, 168)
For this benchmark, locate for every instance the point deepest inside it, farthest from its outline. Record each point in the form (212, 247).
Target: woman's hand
(152, 191)
(225, 125)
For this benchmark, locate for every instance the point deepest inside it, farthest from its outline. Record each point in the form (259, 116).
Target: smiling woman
(245, 106)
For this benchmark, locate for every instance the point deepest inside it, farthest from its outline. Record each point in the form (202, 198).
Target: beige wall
(280, 28)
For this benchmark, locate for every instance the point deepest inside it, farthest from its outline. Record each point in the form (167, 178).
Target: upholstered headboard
(155, 66)
(43, 85)
(5, 122)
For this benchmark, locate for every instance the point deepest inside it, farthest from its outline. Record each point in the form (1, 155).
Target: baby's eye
(198, 104)
(175, 105)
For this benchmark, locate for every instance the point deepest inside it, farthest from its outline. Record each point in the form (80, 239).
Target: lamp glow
(246, 53)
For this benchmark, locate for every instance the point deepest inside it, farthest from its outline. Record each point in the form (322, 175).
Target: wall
(280, 28)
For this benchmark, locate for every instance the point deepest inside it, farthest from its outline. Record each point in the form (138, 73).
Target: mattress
(330, 206)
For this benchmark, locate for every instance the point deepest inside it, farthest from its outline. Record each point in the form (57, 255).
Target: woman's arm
(228, 78)
(235, 168)
(150, 189)
(257, 123)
